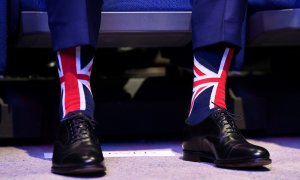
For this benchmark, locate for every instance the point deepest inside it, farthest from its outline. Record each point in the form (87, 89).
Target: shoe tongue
(225, 118)
(219, 114)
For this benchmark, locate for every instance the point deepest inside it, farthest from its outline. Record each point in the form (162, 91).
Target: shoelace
(227, 118)
(80, 127)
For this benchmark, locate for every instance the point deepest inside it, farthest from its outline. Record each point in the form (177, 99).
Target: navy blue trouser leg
(217, 21)
(74, 23)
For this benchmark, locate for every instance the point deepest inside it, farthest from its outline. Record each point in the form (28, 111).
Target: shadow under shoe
(77, 149)
(217, 139)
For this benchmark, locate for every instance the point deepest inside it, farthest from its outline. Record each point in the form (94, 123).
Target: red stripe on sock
(70, 79)
(221, 91)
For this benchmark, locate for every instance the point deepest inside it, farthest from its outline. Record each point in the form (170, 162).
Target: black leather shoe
(217, 139)
(77, 149)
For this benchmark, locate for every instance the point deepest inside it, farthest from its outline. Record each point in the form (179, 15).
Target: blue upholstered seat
(162, 5)
(124, 5)
(146, 5)
(273, 22)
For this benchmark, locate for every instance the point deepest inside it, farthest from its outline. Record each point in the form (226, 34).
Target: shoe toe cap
(260, 152)
(84, 158)
(250, 151)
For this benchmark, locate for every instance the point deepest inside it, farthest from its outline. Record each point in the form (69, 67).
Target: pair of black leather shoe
(77, 149)
(218, 140)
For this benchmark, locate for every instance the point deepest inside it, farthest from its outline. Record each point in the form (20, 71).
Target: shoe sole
(197, 156)
(78, 170)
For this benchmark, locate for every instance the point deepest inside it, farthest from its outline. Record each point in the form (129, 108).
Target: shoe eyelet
(215, 115)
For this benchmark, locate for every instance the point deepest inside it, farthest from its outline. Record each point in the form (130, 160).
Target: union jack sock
(211, 66)
(74, 69)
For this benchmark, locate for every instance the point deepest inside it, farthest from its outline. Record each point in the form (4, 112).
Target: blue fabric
(217, 22)
(179, 5)
(3, 35)
(238, 60)
(72, 25)
(147, 5)
(123, 5)
(33, 5)
(13, 16)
